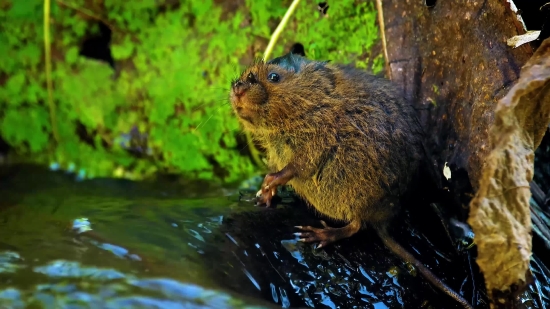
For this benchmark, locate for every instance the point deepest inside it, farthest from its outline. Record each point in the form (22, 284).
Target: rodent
(344, 139)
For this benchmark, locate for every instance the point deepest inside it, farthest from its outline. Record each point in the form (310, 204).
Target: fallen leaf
(499, 212)
(519, 40)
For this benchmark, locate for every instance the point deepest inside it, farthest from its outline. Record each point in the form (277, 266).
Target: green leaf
(122, 51)
(11, 92)
(33, 131)
(25, 9)
(175, 64)
(71, 56)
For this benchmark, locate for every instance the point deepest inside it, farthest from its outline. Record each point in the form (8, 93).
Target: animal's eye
(251, 78)
(273, 77)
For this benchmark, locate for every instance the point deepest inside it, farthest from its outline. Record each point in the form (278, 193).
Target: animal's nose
(239, 88)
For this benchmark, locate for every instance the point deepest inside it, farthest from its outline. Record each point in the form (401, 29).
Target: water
(118, 244)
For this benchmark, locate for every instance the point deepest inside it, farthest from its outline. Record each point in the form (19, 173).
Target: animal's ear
(289, 62)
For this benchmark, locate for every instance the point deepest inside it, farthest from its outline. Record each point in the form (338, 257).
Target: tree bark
(453, 63)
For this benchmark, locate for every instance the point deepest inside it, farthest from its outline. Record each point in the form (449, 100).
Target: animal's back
(368, 145)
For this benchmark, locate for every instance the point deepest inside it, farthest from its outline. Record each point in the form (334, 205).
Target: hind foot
(327, 235)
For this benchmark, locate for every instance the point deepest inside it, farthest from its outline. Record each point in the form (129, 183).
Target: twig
(279, 29)
(87, 13)
(48, 60)
(104, 21)
(383, 36)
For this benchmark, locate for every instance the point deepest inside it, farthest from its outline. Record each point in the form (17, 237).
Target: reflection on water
(118, 244)
(72, 284)
(108, 244)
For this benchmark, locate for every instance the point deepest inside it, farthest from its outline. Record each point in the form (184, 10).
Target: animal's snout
(239, 88)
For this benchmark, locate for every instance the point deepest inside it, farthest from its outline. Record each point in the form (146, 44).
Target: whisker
(197, 127)
(217, 110)
(219, 88)
(245, 146)
(223, 100)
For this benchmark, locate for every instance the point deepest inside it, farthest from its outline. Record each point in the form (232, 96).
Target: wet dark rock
(353, 273)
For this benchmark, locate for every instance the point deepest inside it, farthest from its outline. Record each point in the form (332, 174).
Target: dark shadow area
(536, 16)
(97, 46)
(298, 49)
(430, 3)
(532, 16)
(4, 147)
(323, 7)
(542, 178)
(542, 164)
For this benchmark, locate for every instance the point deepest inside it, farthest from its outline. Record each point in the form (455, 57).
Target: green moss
(175, 64)
(346, 35)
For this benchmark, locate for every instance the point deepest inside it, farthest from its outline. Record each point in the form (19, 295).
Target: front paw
(270, 184)
(268, 189)
(265, 196)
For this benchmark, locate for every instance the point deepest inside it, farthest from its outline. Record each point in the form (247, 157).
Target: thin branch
(48, 60)
(87, 13)
(279, 29)
(91, 15)
(383, 37)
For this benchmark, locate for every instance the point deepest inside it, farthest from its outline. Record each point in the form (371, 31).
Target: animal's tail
(406, 256)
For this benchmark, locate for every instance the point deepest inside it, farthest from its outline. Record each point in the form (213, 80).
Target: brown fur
(348, 132)
(347, 141)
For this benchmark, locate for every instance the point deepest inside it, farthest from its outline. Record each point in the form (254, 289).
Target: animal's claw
(324, 236)
(269, 188)
(327, 235)
(264, 197)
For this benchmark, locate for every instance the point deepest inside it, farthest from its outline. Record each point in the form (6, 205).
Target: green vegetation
(174, 64)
